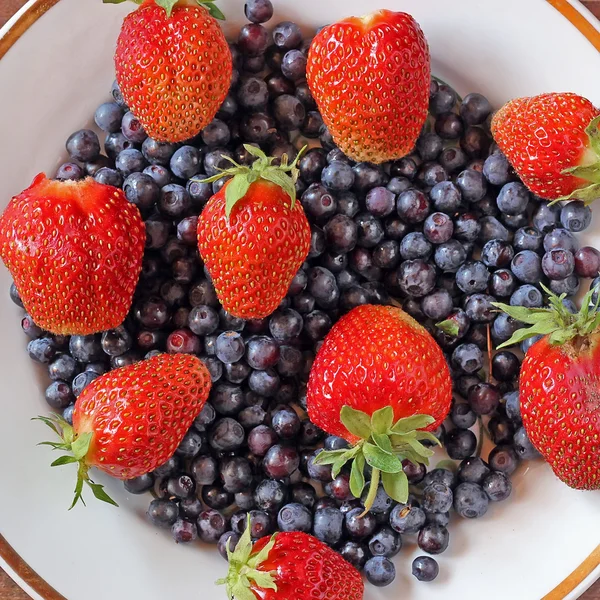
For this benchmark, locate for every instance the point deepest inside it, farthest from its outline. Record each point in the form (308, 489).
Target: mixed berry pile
(444, 232)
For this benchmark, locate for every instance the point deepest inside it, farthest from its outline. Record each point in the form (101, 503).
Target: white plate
(51, 80)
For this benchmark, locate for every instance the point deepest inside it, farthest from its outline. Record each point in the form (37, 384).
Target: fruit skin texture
(174, 71)
(303, 567)
(370, 78)
(139, 414)
(373, 357)
(544, 135)
(253, 255)
(75, 252)
(560, 407)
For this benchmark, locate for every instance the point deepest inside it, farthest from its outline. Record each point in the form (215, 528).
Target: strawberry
(173, 66)
(131, 420)
(560, 387)
(289, 566)
(553, 143)
(253, 235)
(377, 381)
(74, 249)
(370, 77)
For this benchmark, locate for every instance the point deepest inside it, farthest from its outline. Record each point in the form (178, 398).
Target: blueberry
(270, 495)
(261, 439)
(446, 197)
(560, 238)
(230, 347)
(546, 217)
(83, 145)
(115, 143)
(359, 527)
(440, 475)
(211, 526)
(503, 458)
(63, 367)
(497, 254)
(262, 352)
(491, 228)
(450, 256)
(438, 228)
(228, 541)
(462, 415)
(69, 172)
(523, 447)
(416, 278)
(569, 286)
(295, 517)
(429, 146)
(443, 100)
(497, 486)
(81, 381)
(496, 170)
(216, 497)
(415, 245)
(286, 423)
(460, 444)
(467, 227)
(512, 405)
(505, 366)
(226, 435)
(328, 525)
(287, 35)
(472, 185)
(59, 395)
(484, 398)
(413, 206)
(354, 553)
(558, 264)
(504, 327)
(468, 358)
(184, 531)
(162, 512)
(470, 501)
(311, 165)
(380, 571)
(115, 92)
(472, 277)
(527, 296)
(479, 308)
(304, 494)
(502, 283)
(108, 117)
(322, 285)
(281, 461)
(245, 500)
(575, 216)
(204, 470)
(527, 267)
(252, 416)
(130, 161)
(293, 65)
(338, 176)
(473, 470)
(407, 518)
(437, 305)
(369, 229)
(140, 485)
(587, 262)
(318, 472)
(318, 202)
(425, 568)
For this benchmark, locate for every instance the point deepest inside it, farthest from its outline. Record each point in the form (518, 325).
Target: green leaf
(448, 464)
(283, 180)
(396, 486)
(264, 580)
(378, 459)
(357, 476)
(56, 445)
(383, 442)
(214, 10)
(81, 445)
(449, 327)
(243, 550)
(328, 457)
(426, 435)
(100, 493)
(520, 335)
(356, 422)
(78, 490)
(236, 189)
(241, 591)
(64, 460)
(49, 422)
(419, 449)
(530, 316)
(263, 555)
(337, 466)
(168, 5)
(409, 424)
(382, 420)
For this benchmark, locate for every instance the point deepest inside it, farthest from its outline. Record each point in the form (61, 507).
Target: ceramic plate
(51, 80)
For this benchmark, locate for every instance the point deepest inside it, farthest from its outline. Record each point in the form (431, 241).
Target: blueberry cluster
(446, 231)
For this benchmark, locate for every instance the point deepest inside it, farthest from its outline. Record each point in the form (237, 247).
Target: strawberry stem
(169, 5)
(383, 445)
(285, 176)
(77, 448)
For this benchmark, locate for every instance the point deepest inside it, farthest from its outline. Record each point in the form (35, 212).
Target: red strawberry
(289, 566)
(253, 236)
(370, 77)
(553, 142)
(173, 66)
(131, 420)
(74, 249)
(377, 380)
(560, 388)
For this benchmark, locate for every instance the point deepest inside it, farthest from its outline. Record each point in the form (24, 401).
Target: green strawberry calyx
(284, 175)
(383, 446)
(76, 448)
(589, 170)
(244, 569)
(169, 5)
(556, 321)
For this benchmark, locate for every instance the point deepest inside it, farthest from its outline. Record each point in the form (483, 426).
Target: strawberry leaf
(383, 442)
(64, 460)
(396, 486)
(81, 445)
(213, 9)
(382, 420)
(100, 493)
(236, 189)
(261, 557)
(168, 5)
(449, 327)
(409, 424)
(357, 477)
(378, 459)
(356, 422)
(328, 457)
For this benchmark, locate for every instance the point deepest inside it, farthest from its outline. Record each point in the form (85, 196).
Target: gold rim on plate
(8, 554)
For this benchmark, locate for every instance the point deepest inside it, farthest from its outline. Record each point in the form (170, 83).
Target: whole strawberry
(130, 421)
(378, 379)
(553, 142)
(289, 566)
(253, 236)
(370, 77)
(74, 249)
(173, 66)
(559, 387)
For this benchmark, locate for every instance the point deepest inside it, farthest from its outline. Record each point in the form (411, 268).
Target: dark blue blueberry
(236, 372)
(140, 484)
(286, 423)
(558, 264)
(162, 512)
(229, 540)
(500, 429)
(514, 222)
(502, 283)
(280, 461)
(512, 405)
(497, 254)
(484, 398)
(446, 197)
(359, 526)
(523, 447)
(449, 126)
(262, 352)
(480, 309)
(158, 153)
(115, 143)
(380, 571)
(278, 85)
(385, 542)
(318, 472)
(216, 133)
(467, 227)
(413, 206)
(460, 444)
(476, 143)
(59, 395)
(440, 475)
(497, 486)
(253, 39)
(527, 296)
(108, 176)
(429, 146)
(132, 129)
(227, 399)
(226, 435)
(470, 501)
(116, 341)
(505, 366)
(214, 161)
(405, 518)
(69, 172)
(216, 497)
(293, 65)
(322, 285)
(472, 185)
(387, 255)
(183, 341)
(425, 568)
(587, 262)
(338, 176)
(492, 229)
(575, 216)
(328, 525)
(130, 161)
(85, 348)
(473, 470)
(546, 217)
(527, 267)
(341, 233)
(287, 35)
(252, 416)
(181, 486)
(83, 145)
(253, 93)
(108, 117)
(437, 305)
(415, 245)
(504, 458)
(289, 112)
(236, 474)
(266, 383)
(369, 229)
(528, 238)
(569, 286)
(211, 526)
(115, 92)
(437, 497)
(81, 381)
(475, 109)
(513, 198)
(462, 415)
(450, 256)
(443, 99)
(187, 230)
(560, 238)
(438, 228)
(186, 162)
(203, 320)
(30, 328)
(174, 201)
(204, 470)
(141, 190)
(304, 95)
(468, 358)
(496, 170)
(230, 347)
(433, 538)
(318, 202)
(472, 277)
(311, 165)
(295, 517)
(228, 109)
(355, 553)
(62, 368)
(504, 327)
(285, 325)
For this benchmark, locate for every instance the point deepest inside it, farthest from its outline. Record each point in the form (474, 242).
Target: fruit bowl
(56, 66)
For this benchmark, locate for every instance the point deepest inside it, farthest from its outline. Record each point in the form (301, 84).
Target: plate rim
(578, 581)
